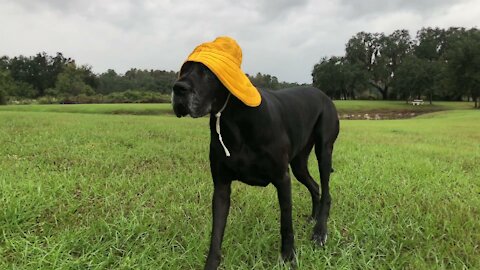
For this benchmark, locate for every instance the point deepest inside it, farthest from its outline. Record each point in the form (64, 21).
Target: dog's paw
(288, 256)
(289, 260)
(320, 239)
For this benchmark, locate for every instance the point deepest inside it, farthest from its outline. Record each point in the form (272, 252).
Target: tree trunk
(382, 90)
(384, 94)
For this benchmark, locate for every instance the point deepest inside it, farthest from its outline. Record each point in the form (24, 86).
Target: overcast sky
(279, 37)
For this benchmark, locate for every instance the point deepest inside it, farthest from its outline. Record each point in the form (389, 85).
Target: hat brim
(231, 76)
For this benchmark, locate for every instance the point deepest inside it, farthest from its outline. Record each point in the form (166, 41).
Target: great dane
(262, 141)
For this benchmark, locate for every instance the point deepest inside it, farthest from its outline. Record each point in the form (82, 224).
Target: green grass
(346, 106)
(123, 108)
(93, 191)
(343, 106)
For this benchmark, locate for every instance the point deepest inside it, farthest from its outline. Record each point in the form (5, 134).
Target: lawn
(343, 106)
(124, 108)
(100, 191)
(346, 106)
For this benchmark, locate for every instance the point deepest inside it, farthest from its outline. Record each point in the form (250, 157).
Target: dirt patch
(382, 115)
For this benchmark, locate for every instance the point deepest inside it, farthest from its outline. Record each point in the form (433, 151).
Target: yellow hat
(223, 57)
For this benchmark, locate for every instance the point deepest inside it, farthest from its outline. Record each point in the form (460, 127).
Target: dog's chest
(252, 167)
(257, 156)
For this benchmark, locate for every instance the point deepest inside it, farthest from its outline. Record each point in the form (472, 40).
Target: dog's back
(302, 110)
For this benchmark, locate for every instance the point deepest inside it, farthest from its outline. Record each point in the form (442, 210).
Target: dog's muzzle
(180, 109)
(180, 93)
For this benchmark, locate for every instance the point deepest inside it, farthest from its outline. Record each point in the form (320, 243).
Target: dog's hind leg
(299, 167)
(326, 134)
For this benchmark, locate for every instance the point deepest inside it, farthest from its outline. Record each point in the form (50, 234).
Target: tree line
(439, 64)
(58, 79)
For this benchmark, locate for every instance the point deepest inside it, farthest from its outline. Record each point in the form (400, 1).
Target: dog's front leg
(220, 208)
(284, 193)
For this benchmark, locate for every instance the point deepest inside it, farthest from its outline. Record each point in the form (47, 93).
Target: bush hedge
(129, 96)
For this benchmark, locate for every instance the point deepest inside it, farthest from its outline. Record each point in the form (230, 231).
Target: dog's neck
(219, 100)
(224, 105)
(217, 124)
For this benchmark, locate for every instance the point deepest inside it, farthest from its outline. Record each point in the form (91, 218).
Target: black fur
(263, 142)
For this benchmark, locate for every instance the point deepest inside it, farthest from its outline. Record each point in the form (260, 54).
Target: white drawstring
(227, 153)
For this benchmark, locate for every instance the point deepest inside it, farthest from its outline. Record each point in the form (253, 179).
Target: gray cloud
(283, 38)
(380, 7)
(125, 14)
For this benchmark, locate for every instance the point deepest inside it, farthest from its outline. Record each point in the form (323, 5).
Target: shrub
(48, 100)
(134, 96)
(130, 96)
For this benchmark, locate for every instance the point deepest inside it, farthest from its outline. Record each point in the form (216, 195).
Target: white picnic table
(417, 102)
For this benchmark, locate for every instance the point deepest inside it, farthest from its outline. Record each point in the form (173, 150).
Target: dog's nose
(181, 88)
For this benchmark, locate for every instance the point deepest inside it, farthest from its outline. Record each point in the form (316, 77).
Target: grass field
(97, 191)
(343, 106)
(381, 105)
(131, 108)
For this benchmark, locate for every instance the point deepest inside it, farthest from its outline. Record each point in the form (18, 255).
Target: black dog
(263, 141)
